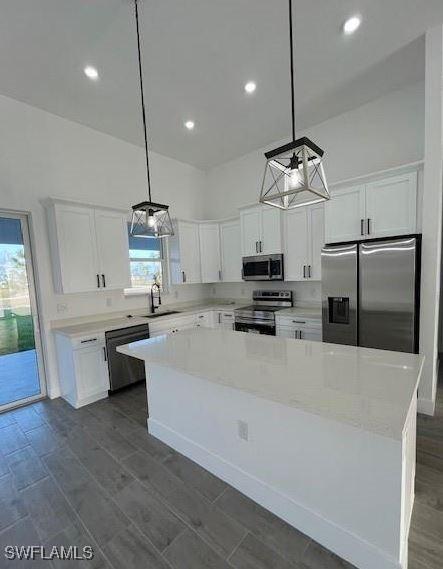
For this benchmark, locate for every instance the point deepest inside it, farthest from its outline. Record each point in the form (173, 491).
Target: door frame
(25, 222)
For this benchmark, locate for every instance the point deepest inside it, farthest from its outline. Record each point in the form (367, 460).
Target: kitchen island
(322, 435)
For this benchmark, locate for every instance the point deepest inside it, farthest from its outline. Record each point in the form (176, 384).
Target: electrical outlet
(109, 301)
(243, 430)
(62, 307)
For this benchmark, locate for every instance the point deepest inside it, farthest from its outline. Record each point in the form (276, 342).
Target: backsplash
(304, 292)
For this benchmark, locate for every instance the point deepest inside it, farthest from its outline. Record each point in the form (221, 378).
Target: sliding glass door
(21, 364)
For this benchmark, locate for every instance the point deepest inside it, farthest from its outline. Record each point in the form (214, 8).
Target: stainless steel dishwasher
(124, 370)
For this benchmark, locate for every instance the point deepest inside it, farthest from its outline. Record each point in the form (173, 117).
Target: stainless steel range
(259, 318)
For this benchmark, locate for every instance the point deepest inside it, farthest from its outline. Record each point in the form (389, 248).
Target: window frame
(164, 257)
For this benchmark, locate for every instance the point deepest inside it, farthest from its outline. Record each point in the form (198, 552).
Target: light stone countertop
(369, 389)
(102, 323)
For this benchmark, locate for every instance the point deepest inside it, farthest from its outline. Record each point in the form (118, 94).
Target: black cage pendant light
(149, 219)
(294, 174)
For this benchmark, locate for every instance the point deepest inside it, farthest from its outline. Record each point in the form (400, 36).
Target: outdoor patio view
(18, 362)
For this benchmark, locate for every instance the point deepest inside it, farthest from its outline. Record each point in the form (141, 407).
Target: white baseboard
(335, 538)
(426, 406)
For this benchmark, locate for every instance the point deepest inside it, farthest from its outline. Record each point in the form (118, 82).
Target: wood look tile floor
(95, 477)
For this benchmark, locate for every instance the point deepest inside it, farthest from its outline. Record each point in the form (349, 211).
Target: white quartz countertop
(369, 389)
(98, 324)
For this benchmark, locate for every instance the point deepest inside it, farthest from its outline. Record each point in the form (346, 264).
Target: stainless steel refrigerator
(371, 293)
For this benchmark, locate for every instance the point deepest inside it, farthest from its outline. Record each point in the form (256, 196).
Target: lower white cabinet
(299, 328)
(82, 368)
(224, 319)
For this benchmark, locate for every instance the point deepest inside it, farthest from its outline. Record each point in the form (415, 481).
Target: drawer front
(88, 341)
(296, 321)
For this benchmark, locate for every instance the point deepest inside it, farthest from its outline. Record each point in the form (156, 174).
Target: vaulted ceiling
(198, 54)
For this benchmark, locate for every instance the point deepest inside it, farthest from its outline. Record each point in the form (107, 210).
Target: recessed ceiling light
(351, 25)
(189, 125)
(91, 72)
(250, 87)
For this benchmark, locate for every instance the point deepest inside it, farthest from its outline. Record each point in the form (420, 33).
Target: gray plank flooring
(94, 476)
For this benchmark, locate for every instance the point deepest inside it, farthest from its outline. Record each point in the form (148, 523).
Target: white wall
(44, 155)
(382, 134)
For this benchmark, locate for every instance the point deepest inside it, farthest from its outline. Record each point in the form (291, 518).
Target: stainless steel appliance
(263, 268)
(259, 318)
(370, 293)
(124, 370)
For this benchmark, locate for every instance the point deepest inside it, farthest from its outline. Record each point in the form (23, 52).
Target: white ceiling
(197, 56)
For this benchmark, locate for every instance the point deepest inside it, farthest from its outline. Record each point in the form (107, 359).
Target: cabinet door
(113, 249)
(285, 332)
(91, 371)
(230, 251)
(316, 239)
(77, 251)
(271, 242)
(296, 244)
(210, 252)
(310, 334)
(345, 214)
(189, 251)
(250, 231)
(391, 206)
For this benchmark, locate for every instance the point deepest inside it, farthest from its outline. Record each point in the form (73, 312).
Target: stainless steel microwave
(263, 268)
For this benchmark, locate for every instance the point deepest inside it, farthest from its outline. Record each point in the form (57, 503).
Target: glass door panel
(20, 352)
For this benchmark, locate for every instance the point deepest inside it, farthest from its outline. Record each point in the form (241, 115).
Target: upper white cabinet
(260, 230)
(184, 253)
(230, 245)
(89, 247)
(382, 208)
(391, 206)
(345, 214)
(209, 234)
(304, 239)
(112, 245)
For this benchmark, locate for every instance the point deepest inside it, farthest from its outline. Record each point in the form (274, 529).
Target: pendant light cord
(291, 41)
(145, 132)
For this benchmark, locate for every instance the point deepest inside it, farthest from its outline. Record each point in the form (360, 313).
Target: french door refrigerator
(371, 293)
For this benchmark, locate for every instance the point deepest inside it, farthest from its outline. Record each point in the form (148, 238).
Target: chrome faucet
(159, 300)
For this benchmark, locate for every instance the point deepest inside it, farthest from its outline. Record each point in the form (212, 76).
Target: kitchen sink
(158, 314)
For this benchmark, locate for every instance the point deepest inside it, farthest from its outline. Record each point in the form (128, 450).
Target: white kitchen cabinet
(224, 319)
(209, 235)
(184, 253)
(391, 206)
(260, 230)
(113, 249)
(82, 368)
(205, 319)
(345, 213)
(299, 328)
(89, 247)
(230, 245)
(304, 239)
(383, 208)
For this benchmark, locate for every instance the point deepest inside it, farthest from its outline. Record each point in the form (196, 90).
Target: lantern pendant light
(149, 219)
(294, 174)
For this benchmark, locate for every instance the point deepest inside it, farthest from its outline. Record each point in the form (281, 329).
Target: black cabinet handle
(309, 271)
(362, 226)
(105, 356)
(98, 281)
(261, 246)
(304, 271)
(103, 280)
(184, 276)
(369, 226)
